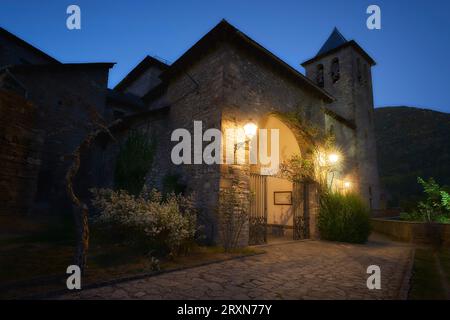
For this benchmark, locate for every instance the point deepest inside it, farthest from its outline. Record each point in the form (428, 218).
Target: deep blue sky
(411, 49)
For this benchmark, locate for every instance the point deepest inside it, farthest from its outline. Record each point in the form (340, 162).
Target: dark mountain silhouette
(411, 142)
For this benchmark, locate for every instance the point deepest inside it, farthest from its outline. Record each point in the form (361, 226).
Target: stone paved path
(299, 270)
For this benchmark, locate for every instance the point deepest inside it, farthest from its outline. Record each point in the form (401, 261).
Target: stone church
(225, 80)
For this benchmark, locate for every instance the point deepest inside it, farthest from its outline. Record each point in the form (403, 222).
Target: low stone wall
(386, 213)
(414, 232)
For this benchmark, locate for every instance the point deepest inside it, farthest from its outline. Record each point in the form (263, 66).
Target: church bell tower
(343, 69)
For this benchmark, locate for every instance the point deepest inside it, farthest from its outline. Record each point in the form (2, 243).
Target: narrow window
(308, 113)
(331, 130)
(335, 73)
(366, 72)
(319, 76)
(358, 70)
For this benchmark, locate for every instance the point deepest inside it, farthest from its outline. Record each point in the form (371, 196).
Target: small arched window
(308, 113)
(335, 73)
(319, 76)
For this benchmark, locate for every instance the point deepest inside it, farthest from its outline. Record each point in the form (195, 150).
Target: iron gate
(258, 210)
(301, 211)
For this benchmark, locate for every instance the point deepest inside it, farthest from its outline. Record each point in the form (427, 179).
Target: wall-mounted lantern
(250, 130)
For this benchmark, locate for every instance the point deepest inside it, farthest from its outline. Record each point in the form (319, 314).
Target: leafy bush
(411, 216)
(133, 162)
(434, 208)
(157, 225)
(445, 200)
(343, 217)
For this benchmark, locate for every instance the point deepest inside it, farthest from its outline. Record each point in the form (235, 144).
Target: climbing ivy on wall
(297, 122)
(309, 165)
(133, 162)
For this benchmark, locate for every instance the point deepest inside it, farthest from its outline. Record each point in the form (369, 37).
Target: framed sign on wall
(282, 197)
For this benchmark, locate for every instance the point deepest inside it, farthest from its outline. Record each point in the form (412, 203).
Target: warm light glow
(347, 185)
(250, 129)
(333, 158)
(322, 160)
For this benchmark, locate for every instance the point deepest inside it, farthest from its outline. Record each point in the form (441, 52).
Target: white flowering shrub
(165, 225)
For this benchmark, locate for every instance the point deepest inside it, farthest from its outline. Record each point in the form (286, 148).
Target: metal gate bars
(258, 210)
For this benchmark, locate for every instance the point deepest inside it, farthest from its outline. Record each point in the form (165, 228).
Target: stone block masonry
(20, 149)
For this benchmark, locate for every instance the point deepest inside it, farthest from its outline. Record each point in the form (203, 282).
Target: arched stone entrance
(279, 208)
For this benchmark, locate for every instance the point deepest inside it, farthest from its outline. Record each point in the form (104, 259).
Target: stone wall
(313, 211)
(65, 114)
(98, 165)
(194, 95)
(252, 90)
(347, 144)
(236, 180)
(20, 149)
(414, 232)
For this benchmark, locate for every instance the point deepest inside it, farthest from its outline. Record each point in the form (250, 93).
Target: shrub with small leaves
(434, 208)
(167, 226)
(445, 200)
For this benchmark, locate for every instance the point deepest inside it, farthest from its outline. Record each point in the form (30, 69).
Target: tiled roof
(226, 32)
(26, 45)
(142, 66)
(125, 98)
(336, 39)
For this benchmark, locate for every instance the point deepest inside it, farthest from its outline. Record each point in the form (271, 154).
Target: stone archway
(279, 208)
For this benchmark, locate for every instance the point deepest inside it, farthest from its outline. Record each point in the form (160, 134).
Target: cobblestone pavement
(295, 270)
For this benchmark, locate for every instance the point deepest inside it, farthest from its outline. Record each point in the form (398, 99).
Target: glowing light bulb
(250, 129)
(333, 158)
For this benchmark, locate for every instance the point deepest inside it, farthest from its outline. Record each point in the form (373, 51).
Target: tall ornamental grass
(344, 217)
